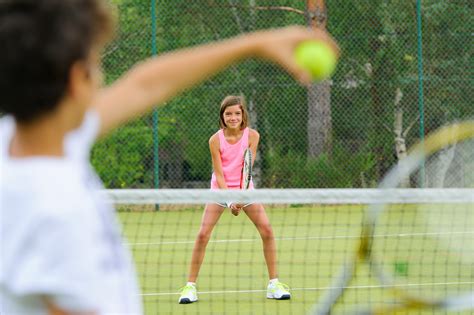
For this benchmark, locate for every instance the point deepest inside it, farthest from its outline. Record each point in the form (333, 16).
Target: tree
(378, 40)
(319, 94)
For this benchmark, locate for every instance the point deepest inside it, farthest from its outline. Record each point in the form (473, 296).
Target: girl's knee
(266, 232)
(203, 236)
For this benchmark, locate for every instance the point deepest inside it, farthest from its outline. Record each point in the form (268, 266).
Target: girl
(227, 150)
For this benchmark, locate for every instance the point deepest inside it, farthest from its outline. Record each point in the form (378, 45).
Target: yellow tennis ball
(317, 57)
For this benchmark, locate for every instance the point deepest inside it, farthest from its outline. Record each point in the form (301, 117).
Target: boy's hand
(279, 46)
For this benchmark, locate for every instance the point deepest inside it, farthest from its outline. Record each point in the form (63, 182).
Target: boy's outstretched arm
(157, 80)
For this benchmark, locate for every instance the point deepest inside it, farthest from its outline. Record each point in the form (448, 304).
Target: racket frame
(445, 136)
(245, 179)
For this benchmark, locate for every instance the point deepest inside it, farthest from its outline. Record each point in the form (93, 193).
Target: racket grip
(228, 204)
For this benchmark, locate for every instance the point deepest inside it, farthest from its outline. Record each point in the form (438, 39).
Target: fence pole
(156, 162)
(421, 108)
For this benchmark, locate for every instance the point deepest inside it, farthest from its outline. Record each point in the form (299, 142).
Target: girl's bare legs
(212, 213)
(258, 216)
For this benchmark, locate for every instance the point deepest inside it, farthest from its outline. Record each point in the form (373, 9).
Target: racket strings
(428, 250)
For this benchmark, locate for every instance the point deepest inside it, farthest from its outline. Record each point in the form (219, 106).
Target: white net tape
(289, 196)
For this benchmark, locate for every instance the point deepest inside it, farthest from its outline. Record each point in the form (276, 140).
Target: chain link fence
(385, 95)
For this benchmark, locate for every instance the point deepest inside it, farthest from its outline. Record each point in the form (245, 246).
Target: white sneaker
(188, 294)
(278, 291)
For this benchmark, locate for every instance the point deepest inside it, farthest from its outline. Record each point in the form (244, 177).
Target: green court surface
(312, 243)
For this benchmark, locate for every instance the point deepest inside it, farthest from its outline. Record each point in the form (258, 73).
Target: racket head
(424, 251)
(394, 270)
(246, 175)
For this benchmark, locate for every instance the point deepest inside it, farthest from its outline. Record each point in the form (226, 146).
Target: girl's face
(233, 116)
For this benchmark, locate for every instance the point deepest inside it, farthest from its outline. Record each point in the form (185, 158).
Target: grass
(312, 243)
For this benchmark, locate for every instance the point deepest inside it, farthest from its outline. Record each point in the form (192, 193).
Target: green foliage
(344, 170)
(123, 159)
(379, 55)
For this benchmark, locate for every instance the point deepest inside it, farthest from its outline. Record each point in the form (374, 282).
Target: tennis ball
(317, 57)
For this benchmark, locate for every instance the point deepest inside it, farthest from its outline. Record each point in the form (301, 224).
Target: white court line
(243, 240)
(320, 289)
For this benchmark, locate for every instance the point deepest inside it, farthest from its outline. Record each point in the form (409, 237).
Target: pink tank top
(231, 157)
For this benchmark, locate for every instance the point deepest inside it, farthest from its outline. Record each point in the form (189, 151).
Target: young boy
(61, 251)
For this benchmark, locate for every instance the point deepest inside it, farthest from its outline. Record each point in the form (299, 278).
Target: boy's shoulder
(48, 188)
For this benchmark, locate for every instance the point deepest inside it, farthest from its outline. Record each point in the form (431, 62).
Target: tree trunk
(400, 144)
(319, 119)
(319, 94)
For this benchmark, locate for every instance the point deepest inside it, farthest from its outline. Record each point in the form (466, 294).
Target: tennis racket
(246, 175)
(421, 254)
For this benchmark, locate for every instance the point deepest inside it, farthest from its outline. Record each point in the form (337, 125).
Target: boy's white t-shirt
(57, 237)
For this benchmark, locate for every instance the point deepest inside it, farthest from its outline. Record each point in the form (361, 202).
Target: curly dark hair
(40, 40)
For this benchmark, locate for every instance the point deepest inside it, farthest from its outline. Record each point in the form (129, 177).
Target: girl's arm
(155, 81)
(216, 161)
(254, 138)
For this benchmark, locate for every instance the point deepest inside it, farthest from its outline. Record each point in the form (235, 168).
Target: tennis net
(316, 231)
